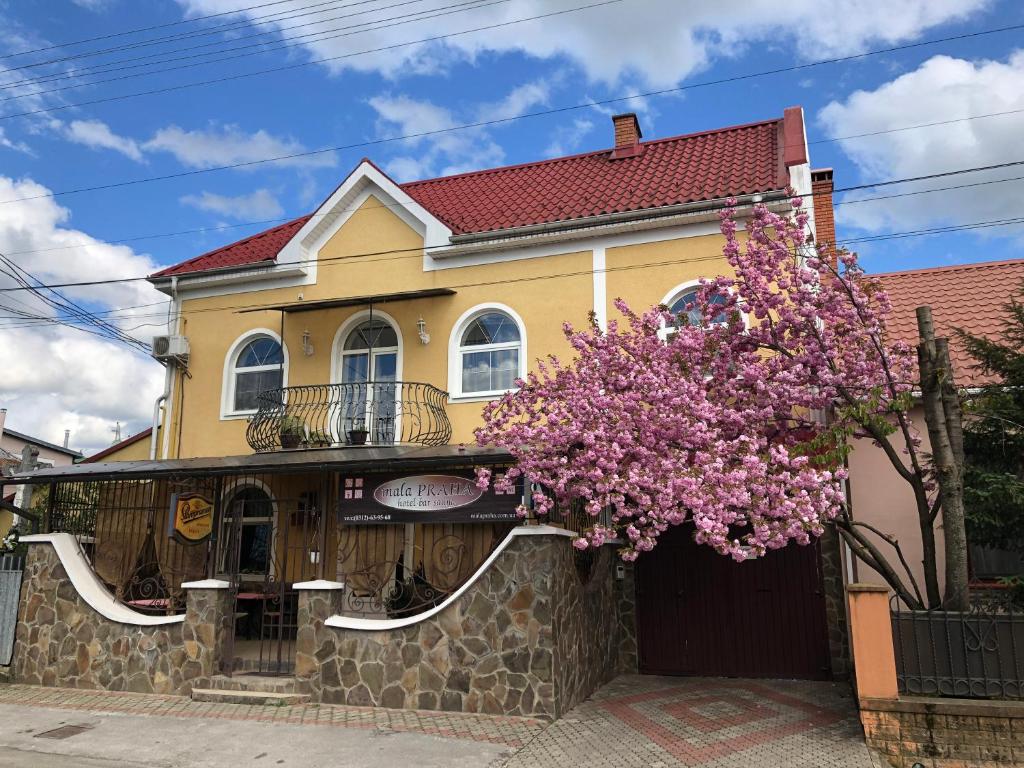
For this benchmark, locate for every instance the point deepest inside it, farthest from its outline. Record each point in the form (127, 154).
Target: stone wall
(625, 602)
(833, 585)
(945, 733)
(527, 638)
(62, 641)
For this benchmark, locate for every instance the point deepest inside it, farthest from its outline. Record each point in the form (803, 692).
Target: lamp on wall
(421, 329)
(307, 345)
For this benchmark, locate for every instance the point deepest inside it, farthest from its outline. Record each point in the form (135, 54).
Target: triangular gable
(332, 214)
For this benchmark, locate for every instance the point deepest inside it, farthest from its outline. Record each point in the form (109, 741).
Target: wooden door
(699, 613)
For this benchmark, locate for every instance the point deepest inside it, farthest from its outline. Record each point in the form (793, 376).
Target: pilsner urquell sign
(453, 498)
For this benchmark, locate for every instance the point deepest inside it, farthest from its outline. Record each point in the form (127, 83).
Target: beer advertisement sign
(191, 517)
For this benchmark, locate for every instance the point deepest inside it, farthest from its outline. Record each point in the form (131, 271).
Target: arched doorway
(368, 362)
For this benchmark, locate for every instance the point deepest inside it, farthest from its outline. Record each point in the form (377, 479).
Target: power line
(191, 34)
(298, 65)
(112, 66)
(263, 47)
(716, 207)
(627, 267)
(143, 29)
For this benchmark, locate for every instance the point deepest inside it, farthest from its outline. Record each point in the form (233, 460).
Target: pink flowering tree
(655, 421)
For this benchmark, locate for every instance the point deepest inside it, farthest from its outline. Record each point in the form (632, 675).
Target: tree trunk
(942, 414)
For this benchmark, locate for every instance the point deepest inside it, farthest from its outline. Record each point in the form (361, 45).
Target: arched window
(489, 353)
(256, 367)
(247, 533)
(683, 306)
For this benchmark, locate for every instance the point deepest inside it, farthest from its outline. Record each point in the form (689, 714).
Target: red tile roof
(742, 159)
(263, 246)
(968, 296)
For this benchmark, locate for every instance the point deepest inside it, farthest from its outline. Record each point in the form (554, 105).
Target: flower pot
(289, 440)
(357, 436)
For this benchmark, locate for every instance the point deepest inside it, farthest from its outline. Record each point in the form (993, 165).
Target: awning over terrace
(355, 459)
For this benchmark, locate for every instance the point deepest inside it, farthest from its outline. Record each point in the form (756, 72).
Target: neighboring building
(12, 447)
(324, 379)
(968, 296)
(133, 448)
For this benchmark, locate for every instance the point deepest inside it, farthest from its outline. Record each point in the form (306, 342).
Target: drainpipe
(158, 406)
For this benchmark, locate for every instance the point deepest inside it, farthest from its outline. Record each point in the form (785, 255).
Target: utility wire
(196, 33)
(735, 78)
(112, 66)
(623, 268)
(137, 30)
(263, 47)
(301, 64)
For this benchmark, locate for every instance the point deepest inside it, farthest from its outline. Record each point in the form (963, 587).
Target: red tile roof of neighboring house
(968, 296)
(738, 160)
(118, 446)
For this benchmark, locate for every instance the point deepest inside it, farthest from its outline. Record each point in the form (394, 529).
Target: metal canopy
(353, 301)
(355, 459)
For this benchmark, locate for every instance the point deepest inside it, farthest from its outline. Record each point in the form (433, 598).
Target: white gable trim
(364, 181)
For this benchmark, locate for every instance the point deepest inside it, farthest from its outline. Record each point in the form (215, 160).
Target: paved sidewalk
(658, 722)
(641, 721)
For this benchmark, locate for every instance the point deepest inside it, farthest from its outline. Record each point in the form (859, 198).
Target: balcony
(339, 415)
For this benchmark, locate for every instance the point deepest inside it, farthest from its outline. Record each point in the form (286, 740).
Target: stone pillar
(624, 575)
(318, 600)
(874, 658)
(209, 616)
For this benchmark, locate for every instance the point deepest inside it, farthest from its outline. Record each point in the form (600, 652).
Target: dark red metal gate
(699, 613)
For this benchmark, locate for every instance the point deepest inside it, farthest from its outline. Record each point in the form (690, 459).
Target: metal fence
(11, 567)
(973, 654)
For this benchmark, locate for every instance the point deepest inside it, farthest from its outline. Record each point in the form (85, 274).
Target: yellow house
(324, 379)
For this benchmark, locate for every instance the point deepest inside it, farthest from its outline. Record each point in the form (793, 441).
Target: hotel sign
(448, 498)
(191, 517)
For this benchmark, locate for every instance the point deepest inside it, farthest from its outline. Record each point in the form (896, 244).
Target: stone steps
(258, 683)
(273, 698)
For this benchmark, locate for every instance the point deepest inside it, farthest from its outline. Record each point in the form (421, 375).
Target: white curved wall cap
(206, 584)
(322, 584)
(380, 625)
(88, 584)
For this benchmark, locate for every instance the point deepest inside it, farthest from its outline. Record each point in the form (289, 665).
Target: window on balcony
(256, 364)
(489, 354)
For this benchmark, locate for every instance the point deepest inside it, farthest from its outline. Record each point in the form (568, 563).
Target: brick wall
(945, 733)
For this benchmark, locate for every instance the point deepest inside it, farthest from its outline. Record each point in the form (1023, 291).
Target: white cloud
(259, 204)
(942, 88)
(58, 378)
(94, 5)
(455, 151)
(97, 135)
(229, 144)
(567, 138)
(656, 42)
(17, 146)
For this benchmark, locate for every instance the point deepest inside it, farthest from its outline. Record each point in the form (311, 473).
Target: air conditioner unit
(170, 348)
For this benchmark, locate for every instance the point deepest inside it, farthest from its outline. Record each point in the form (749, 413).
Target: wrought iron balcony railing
(333, 415)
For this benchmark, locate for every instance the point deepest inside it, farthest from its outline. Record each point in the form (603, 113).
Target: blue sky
(580, 56)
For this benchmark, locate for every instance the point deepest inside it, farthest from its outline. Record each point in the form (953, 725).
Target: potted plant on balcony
(318, 439)
(292, 430)
(357, 433)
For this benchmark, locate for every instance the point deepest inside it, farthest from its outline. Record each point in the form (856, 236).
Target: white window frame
(227, 405)
(456, 352)
(671, 298)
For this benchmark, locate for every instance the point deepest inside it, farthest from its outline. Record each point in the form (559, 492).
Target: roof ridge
(951, 267)
(591, 153)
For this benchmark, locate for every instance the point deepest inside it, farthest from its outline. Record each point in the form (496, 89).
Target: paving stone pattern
(509, 731)
(711, 723)
(529, 638)
(61, 640)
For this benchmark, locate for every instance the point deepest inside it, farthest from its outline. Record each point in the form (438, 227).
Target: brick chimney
(627, 136)
(824, 216)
